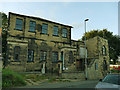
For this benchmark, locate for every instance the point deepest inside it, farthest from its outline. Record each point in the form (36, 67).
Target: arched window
(104, 65)
(16, 53)
(103, 50)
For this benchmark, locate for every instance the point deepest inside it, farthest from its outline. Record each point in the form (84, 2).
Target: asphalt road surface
(73, 84)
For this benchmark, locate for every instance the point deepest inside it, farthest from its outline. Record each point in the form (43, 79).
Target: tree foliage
(4, 38)
(113, 41)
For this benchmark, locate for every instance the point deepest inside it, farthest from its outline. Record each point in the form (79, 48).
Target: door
(62, 59)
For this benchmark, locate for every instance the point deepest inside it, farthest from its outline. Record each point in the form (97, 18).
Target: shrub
(52, 80)
(115, 71)
(11, 79)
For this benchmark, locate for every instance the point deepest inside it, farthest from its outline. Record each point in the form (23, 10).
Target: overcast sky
(101, 14)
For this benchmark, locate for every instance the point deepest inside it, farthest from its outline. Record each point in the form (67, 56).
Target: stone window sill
(18, 29)
(30, 61)
(56, 35)
(31, 31)
(64, 37)
(44, 34)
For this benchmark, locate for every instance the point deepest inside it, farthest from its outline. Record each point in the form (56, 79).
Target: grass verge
(12, 79)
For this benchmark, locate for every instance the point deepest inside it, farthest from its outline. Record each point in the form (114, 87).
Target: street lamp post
(85, 52)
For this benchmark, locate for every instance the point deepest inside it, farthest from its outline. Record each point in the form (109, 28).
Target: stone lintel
(16, 41)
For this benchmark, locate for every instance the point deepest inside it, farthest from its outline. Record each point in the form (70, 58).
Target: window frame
(32, 26)
(96, 66)
(18, 53)
(103, 50)
(55, 56)
(16, 24)
(55, 31)
(32, 56)
(105, 67)
(43, 56)
(64, 34)
(71, 57)
(45, 29)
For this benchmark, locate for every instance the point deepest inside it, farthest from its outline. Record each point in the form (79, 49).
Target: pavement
(72, 84)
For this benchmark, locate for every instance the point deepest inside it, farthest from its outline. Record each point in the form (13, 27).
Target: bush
(11, 79)
(115, 71)
(52, 80)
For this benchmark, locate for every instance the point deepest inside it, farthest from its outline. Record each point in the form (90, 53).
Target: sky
(102, 15)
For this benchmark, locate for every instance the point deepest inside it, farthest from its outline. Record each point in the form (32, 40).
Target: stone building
(98, 55)
(36, 44)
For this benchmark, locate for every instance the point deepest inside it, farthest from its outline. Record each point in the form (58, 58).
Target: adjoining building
(36, 44)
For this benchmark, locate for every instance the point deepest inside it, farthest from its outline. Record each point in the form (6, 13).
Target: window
(103, 50)
(104, 65)
(71, 57)
(32, 26)
(44, 28)
(55, 30)
(54, 56)
(19, 24)
(30, 55)
(43, 55)
(16, 53)
(96, 66)
(64, 34)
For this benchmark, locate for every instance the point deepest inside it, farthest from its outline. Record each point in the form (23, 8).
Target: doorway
(62, 59)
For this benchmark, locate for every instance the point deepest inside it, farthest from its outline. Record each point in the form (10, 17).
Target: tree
(113, 41)
(0, 36)
(4, 38)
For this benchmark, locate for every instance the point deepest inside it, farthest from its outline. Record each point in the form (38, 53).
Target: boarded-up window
(39, 27)
(16, 53)
(19, 24)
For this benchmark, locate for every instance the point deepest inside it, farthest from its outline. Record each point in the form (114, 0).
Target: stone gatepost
(60, 66)
(43, 68)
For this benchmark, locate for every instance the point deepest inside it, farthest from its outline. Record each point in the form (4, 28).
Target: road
(73, 84)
